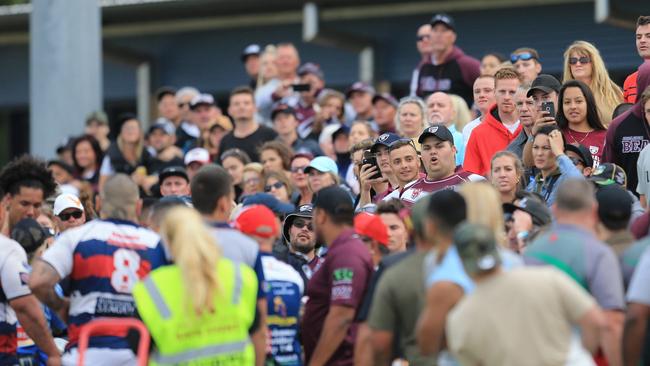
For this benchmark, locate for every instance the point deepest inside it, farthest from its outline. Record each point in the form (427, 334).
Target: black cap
(439, 131)
(546, 83)
(68, 168)
(30, 234)
(386, 97)
(583, 152)
(334, 200)
(250, 50)
(385, 139)
(306, 211)
(172, 171)
(164, 127)
(607, 174)
(537, 210)
(282, 108)
(445, 19)
(360, 86)
(614, 206)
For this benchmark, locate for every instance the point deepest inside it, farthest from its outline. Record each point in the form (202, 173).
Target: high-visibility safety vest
(211, 338)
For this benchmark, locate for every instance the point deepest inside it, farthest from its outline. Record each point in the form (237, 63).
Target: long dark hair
(592, 111)
(99, 155)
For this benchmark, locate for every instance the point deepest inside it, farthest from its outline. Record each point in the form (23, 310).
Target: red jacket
(486, 139)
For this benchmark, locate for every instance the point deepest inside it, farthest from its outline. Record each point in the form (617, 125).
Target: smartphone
(301, 87)
(549, 108)
(370, 159)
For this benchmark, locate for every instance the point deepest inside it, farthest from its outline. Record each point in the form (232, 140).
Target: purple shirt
(341, 280)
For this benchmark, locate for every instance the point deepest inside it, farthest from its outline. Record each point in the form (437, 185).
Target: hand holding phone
(549, 109)
(301, 87)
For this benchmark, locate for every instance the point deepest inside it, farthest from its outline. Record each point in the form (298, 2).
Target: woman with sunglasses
(578, 118)
(526, 62)
(582, 61)
(278, 185)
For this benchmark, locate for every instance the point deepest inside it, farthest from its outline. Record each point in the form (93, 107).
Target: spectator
(119, 203)
(26, 184)
(628, 133)
(381, 151)
(321, 172)
(332, 112)
(374, 234)
(581, 158)
(385, 106)
(313, 78)
(483, 92)
(174, 182)
(268, 70)
(62, 173)
(358, 153)
(390, 212)
(608, 174)
(325, 140)
(64, 152)
(279, 88)
(553, 164)
(425, 49)
(582, 61)
(211, 138)
(286, 125)
(285, 286)
(530, 217)
(250, 57)
(186, 129)
(506, 175)
(597, 269)
(643, 170)
(248, 134)
(97, 127)
(643, 48)
(277, 184)
(451, 70)
(544, 89)
(638, 309)
(87, 157)
(481, 313)
(578, 118)
(527, 112)
(462, 114)
(252, 179)
(167, 106)
(526, 62)
(275, 156)
(341, 146)
(441, 111)
(204, 113)
(361, 131)
(299, 179)
(411, 119)
(500, 127)
(336, 289)
(160, 139)
(68, 212)
(490, 64)
(614, 213)
(233, 161)
(195, 159)
(405, 163)
(360, 97)
(300, 251)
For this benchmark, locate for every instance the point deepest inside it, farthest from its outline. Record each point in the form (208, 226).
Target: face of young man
(24, 204)
(643, 41)
(168, 108)
(175, 186)
(505, 95)
(242, 107)
(438, 157)
(484, 93)
(405, 164)
(301, 235)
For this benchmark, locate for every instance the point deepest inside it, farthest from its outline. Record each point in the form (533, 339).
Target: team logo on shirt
(343, 275)
(416, 192)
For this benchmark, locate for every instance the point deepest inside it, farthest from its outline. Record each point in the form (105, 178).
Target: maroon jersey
(422, 187)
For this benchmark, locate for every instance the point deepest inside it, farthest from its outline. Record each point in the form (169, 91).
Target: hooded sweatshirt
(486, 139)
(629, 133)
(455, 75)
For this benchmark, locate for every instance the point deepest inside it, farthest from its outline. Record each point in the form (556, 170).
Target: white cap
(197, 154)
(65, 201)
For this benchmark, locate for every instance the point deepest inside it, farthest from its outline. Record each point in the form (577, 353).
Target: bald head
(440, 108)
(120, 198)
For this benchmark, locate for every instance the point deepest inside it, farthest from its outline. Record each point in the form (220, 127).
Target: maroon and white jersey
(422, 187)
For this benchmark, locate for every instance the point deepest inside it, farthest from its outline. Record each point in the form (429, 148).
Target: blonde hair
(608, 95)
(269, 51)
(196, 254)
(423, 110)
(462, 115)
(484, 207)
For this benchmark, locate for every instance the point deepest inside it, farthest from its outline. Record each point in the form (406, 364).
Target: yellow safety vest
(184, 337)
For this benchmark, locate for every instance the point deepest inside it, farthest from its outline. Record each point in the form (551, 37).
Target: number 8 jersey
(103, 260)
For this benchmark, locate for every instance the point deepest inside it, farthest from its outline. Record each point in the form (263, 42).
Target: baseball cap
(98, 116)
(197, 154)
(385, 139)
(250, 50)
(164, 127)
(257, 220)
(323, 164)
(269, 201)
(445, 19)
(305, 211)
(282, 108)
(360, 86)
(29, 234)
(335, 201)
(614, 206)
(609, 173)
(583, 152)
(311, 68)
(439, 131)
(341, 130)
(546, 83)
(371, 226)
(387, 97)
(476, 247)
(201, 99)
(172, 171)
(536, 209)
(65, 201)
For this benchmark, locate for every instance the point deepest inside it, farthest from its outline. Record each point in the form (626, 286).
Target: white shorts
(101, 357)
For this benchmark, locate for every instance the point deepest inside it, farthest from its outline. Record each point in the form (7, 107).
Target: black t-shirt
(250, 143)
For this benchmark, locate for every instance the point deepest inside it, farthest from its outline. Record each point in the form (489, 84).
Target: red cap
(371, 226)
(258, 220)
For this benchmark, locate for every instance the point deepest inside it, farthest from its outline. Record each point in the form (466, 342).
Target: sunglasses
(67, 216)
(276, 185)
(524, 56)
(583, 60)
(301, 223)
(297, 169)
(577, 161)
(422, 37)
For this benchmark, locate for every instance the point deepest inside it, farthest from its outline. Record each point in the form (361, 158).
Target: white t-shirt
(643, 171)
(467, 130)
(513, 127)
